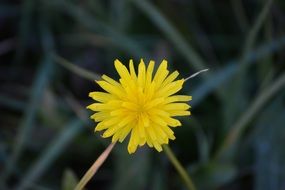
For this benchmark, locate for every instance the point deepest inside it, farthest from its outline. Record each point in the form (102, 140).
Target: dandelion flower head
(142, 105)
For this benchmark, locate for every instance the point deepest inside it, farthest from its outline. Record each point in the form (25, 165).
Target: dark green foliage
(51, 50)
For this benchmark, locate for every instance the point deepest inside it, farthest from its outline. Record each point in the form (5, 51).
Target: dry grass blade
(94, 168)
(195, 74)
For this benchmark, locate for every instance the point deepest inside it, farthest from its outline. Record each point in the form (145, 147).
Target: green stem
(182, 172)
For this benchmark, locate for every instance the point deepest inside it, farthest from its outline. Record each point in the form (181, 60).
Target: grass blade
(171, 33)
(225, 74)
(180, 169)
(75, 69)
(24, 29)
(118, 39)
(41, 81)
(69, 180)
(12, 103)
(136, 169)
(267, 137)
(255, 107)
(27, 123)
(239, 11)
(237, 87)
(54, 150)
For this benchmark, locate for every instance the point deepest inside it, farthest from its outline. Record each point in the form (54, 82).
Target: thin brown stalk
(94, 168)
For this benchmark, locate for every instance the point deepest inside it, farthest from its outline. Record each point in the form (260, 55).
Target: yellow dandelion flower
(141, 104)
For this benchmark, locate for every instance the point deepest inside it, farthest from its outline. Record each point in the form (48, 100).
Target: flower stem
(93, 169)
(182, 172)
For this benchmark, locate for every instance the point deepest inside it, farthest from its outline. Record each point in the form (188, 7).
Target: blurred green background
(52, 50)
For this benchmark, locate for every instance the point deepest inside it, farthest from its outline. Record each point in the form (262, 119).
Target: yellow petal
(100, 126)
(110, 131)
(145, 120)
(171, 88)
(149, 72)
(124, 132)
(176, 106)
(112, 121)
(128, 119)
(151, 133)
(172, 122)
(110, 80)
(154, 103)
(179, 113)
(158, 120)
(101, 96)
(133, 144)
(141, 128)
(132, 70)
(98, 107)
(168, 132)
(157, 146)
(177, 98)
(141, 74)
(100, 116)
(142, 141)
(122, 70)
(116, 90)
(161, 73)
(170, 78)
(161, 133)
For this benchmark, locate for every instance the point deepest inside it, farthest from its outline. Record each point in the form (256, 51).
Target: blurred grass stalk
(171, 33)
(240, 14)
(118, 39)
(181, 171)
(24, 30)
(50, 154)
(238, 86)
(265, 67)
(46, 159)
(229, 71)
(75, 69)
(41, 80)
(244, 120)
(252, 35)
(12, 103)
(94, 168)
(27, 123)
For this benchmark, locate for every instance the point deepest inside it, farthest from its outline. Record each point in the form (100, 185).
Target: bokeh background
(52, 50)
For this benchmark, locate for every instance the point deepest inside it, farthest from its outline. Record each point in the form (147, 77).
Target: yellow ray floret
(141, 104)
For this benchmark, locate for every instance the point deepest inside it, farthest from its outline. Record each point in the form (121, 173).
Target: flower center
(141, 109)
